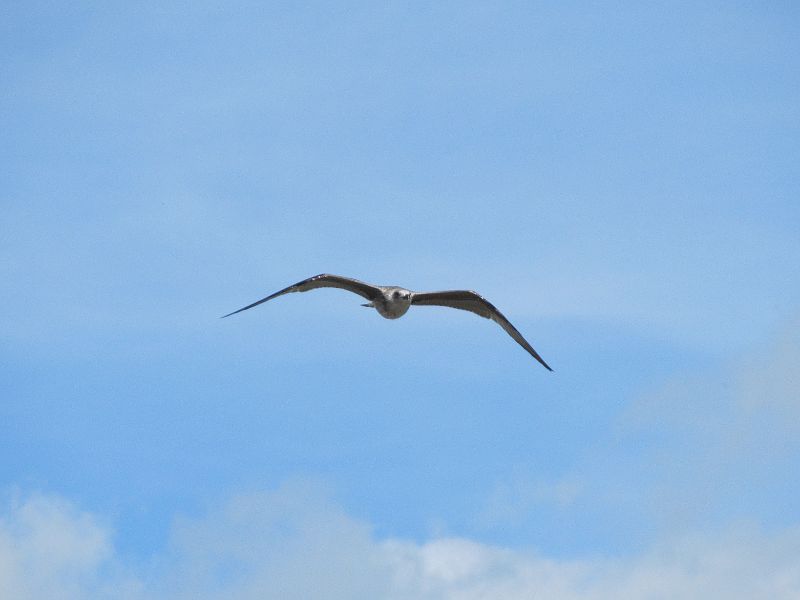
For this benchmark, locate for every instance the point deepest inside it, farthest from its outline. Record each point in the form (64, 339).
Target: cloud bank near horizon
(296, 543)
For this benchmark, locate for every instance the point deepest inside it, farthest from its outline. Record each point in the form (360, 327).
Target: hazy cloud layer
(698, 453)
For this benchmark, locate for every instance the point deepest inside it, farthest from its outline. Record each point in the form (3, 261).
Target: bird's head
(400, 295)
(396, 301)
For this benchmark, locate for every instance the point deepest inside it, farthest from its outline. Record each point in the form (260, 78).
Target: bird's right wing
(365, 290)
(475, 303)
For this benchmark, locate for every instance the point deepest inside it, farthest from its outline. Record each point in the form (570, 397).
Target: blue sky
(620, 179)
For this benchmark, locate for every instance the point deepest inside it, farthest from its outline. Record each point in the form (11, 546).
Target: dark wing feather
(475, 303)
(365, 290)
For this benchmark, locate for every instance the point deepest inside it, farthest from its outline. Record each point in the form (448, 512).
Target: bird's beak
(370, 305)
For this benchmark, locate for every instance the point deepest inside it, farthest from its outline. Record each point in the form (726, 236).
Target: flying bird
(393, 302)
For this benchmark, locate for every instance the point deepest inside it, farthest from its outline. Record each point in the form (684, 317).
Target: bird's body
(392, 302)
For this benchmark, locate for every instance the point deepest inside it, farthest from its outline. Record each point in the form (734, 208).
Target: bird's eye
(396, 294)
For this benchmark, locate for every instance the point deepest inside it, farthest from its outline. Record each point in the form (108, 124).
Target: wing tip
(541, 362)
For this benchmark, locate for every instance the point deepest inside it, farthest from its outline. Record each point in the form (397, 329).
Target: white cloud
(295, 543)
(48, 549)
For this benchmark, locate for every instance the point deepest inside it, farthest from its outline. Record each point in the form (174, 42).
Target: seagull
(392, 302)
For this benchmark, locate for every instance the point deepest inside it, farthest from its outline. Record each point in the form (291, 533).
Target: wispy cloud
(700, 452)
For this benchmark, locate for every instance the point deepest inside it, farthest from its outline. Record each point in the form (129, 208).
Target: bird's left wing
(475, 303)
(365, 290)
